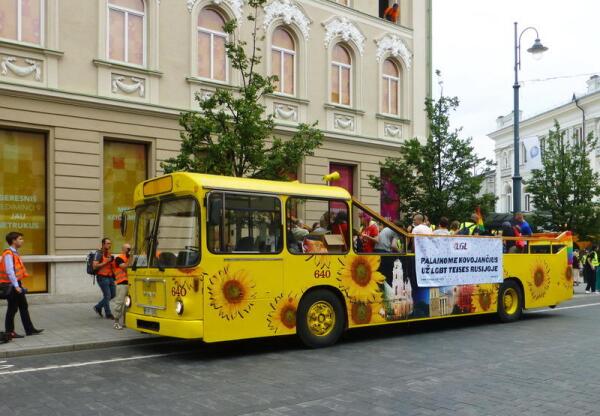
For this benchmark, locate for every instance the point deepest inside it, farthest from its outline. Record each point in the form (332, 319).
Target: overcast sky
(473, 46)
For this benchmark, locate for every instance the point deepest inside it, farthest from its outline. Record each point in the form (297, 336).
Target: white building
(570, 116)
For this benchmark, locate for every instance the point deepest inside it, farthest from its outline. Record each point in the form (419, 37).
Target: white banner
(533, 153)
(450, 261)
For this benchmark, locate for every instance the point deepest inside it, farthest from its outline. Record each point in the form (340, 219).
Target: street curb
(86, 346)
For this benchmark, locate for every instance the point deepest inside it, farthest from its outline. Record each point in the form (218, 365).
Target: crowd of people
(375, 237)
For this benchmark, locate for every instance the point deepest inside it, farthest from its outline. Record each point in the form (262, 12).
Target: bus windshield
(168, 234)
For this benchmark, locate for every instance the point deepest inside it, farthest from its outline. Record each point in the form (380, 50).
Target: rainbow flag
(479, 219)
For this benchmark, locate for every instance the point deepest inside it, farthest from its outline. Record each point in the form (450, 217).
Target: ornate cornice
(392, 45)
(236, 6)
(289, 12)
(341, 26)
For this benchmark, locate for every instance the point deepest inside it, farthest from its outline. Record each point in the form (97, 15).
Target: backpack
(89, 263)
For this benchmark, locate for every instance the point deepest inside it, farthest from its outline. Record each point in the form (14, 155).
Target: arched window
(523, 153)
(126, 31)
(283, 61)
(390, 95)
(341, 75)
(212, 57)
(21, 20)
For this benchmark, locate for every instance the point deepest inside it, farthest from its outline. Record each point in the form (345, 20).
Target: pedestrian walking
(122, 262)
(576, 266)
(105, 276)
(13, 271)
(589, 271)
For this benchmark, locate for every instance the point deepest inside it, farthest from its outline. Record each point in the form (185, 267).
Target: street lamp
(536, 51)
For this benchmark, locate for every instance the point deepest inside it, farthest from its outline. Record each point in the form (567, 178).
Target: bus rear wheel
(321, 319)
(510, 301)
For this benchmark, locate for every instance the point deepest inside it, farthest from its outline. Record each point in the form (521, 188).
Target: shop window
(23, 197)
(246, 224)
(22, 20)
(125, 165)
(126, 31)
(317, 226)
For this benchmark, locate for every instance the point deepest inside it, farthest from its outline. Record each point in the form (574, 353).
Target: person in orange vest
(122, 262)
(13, 271)
(105, 276)
(392, 13)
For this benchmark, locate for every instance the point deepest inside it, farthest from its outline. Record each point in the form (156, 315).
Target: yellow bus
(220, 258)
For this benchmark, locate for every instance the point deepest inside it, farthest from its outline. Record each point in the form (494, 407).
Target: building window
(341, 75)
(390, 95)
(126, 31)
(283, 57)
(125, 165)
(528, 205)
(212, 56)
(523, 153)
(23, 197)
(22, 20)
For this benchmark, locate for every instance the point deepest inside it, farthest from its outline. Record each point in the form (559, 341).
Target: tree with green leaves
(231, 134)
(564, 190)
(438, 177)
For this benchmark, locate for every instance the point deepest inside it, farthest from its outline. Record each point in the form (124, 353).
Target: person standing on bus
(442, 228)
(122, 262)
(13, 271)
(419, 226)
(368, 233)
(105, 276)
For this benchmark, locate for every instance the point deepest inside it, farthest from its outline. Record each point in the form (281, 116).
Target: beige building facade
(90, 93)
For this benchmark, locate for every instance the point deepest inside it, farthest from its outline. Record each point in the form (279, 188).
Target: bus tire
(510, 301)
(321, 319)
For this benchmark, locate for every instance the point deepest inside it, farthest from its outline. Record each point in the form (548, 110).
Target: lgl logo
(460, 246)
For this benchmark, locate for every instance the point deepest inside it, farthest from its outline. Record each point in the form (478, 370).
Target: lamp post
(536, 50)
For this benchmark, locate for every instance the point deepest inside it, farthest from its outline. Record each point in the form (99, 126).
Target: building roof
(543, 113)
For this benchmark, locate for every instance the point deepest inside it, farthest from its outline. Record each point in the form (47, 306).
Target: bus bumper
(165, 327)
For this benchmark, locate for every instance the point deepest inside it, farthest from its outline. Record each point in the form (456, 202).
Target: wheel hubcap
(321, 318)
(511, 301)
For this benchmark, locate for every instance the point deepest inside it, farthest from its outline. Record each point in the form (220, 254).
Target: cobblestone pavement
(543, 365)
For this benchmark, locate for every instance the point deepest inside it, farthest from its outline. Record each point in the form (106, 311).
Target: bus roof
(228, 183)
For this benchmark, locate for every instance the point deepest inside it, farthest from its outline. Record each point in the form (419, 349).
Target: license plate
(150, 311)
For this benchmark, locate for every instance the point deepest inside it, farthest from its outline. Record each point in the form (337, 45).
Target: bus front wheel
(510, 301)
(321, 319)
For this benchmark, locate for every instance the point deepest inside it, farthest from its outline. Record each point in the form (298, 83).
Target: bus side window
(317, 226)
(239, 223)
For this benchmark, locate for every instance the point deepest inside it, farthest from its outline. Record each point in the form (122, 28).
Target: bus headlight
(128, 301)
(179, 307)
